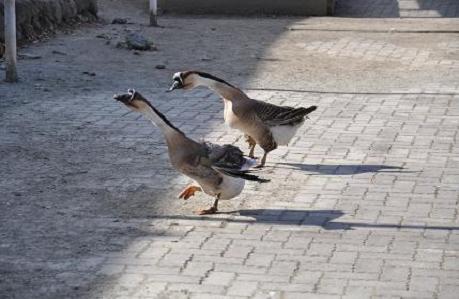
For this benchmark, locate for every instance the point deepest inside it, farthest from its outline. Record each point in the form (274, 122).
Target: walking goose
(264, 124)
(219, 171)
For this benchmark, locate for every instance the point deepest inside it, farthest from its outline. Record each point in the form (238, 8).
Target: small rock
(103, 36)
(213, 28)
(160, 66)
(206, 59)
(58, 52)
(136, 53)
(119, 21)
(136, 41)
(28, 56)
(121, 45)
(90, 74)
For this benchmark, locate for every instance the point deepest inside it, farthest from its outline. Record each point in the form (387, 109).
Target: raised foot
(189, 192)
(208, 211)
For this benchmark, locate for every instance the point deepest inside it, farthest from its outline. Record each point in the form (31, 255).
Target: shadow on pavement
(321, 218)
(324, 219)
(339, 169)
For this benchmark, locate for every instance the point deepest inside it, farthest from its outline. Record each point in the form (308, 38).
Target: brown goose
(264, 124)
(219, 171)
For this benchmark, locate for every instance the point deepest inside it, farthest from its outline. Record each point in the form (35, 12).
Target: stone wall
(37, 17)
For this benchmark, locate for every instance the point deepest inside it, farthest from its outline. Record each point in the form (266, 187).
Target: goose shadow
(326, 219)
(343, 169)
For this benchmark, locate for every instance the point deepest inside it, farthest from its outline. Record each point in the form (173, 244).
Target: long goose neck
(223, 88)
(159, 120)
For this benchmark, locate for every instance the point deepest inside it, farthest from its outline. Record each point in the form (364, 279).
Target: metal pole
(10, 41)
(153, 13)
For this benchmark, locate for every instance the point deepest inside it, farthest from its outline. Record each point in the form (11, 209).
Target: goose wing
(229, 160)
(273, 115)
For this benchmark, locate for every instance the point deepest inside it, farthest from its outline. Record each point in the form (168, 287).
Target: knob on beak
(125, 98)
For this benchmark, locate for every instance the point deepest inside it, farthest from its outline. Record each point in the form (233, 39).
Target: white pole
(153, 13)
(10, 41)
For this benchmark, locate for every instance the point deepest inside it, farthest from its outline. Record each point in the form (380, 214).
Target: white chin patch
(176, 76)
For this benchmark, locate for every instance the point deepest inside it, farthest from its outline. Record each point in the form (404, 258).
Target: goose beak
(176, 85)
(126, 97)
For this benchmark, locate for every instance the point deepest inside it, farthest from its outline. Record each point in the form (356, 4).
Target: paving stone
(196, 288)
(197, 268)
(286, 268)
(263, 278)
(256, 259)
(242, 288)
(219, 278)
(150, 289)
(307, 277)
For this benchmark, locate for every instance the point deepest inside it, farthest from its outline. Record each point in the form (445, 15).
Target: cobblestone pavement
(398, 8)
(362, 204)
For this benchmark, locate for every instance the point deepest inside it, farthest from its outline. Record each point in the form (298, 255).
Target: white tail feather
(249, 163)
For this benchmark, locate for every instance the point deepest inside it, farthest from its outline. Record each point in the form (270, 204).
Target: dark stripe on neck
(212, 77)
(163, 117)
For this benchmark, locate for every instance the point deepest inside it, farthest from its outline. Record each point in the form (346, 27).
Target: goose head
(184, 80)
(191, 79)
(133, 100)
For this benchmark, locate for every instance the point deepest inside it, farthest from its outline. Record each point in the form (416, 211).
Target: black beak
(126, 97)
(176, 85)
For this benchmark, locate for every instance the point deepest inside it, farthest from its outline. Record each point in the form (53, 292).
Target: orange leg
(252, 151)
(263, 161)
(252, 143)
(189, 191)
(211, 210)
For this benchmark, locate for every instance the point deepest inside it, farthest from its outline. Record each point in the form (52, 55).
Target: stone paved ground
(362, 204)
(398, 8)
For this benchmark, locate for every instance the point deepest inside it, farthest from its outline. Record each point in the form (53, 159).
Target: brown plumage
(263, 123)
(219, 171)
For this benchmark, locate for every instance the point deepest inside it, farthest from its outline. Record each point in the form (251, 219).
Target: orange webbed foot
(189, 192)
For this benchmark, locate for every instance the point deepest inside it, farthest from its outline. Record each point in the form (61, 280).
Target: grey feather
(229, 159)
(274, 115)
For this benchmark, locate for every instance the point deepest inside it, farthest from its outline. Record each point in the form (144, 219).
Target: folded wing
(229, 160)
(273, 115)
